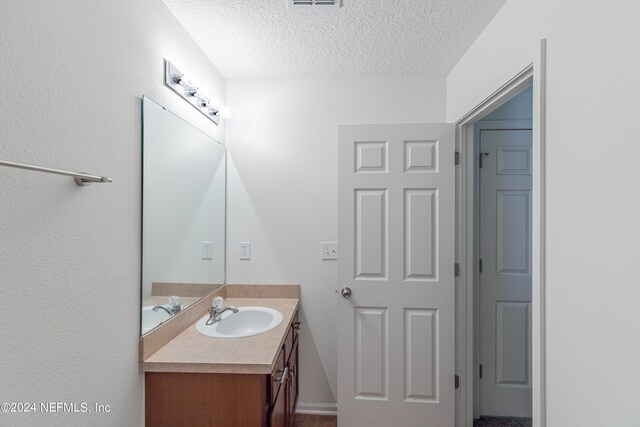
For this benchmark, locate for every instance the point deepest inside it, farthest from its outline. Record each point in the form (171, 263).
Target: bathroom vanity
(196, 380)
(242, 370)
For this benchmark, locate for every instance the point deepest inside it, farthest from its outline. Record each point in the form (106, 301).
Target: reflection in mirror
(183, 214)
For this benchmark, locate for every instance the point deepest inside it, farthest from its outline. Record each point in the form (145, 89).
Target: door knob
(346, 292)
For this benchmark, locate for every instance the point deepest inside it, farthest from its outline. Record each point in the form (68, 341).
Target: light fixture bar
(188, 90)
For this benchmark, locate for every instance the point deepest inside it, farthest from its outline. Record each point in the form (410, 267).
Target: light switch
(245, 250)
(206, 250)
(328, 250)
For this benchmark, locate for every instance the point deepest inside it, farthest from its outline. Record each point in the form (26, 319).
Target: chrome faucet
(163, 307)
(215, 312)
(172, 308)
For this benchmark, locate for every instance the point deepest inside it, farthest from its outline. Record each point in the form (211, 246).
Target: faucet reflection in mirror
(174, 307)
(183, 215)
(198, 96)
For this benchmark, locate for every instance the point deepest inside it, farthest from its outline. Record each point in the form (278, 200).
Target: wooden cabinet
(221, 400)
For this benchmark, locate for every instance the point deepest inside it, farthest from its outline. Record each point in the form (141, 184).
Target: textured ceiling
(263, 38)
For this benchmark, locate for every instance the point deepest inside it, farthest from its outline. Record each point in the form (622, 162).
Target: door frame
(528, 72)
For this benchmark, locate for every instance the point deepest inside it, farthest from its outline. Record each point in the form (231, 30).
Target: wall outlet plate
(245, 250)
(328, 250)
(206, 250)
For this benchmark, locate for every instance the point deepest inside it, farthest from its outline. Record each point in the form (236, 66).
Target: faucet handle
(174, 305)
(174, 301)
(217, 302)
(214, 310)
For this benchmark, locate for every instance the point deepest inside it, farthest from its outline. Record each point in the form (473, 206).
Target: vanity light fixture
(198, 96)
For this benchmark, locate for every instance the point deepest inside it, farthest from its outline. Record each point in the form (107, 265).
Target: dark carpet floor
(502, 422)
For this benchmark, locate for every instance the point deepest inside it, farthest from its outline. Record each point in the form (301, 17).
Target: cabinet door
(293, 382)
(278, 370)
(292, 335)
(278, 417)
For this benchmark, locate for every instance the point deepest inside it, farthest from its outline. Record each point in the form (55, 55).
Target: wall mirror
(183, 214)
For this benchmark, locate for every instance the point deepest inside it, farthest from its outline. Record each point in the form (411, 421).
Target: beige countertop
(192, 352)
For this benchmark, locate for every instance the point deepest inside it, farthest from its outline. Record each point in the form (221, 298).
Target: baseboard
(317, 408)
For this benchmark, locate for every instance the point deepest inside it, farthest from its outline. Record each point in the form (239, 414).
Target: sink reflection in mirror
(151, 319)
(248, 321)
(183, 212)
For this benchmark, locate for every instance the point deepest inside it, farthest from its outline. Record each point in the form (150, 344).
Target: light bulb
(202, 102)
(176, 79)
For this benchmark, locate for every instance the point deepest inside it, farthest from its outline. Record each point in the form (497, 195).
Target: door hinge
(457, 158)
(456, 382)
(480, 265)
(456, 269)
(480, 371)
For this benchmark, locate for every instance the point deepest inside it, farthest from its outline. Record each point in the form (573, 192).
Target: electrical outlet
(245, 250)
(206, 250)
(328, 250)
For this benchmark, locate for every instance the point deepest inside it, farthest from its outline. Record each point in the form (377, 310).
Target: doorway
(383, 328)
(529, 72)
(502, 240)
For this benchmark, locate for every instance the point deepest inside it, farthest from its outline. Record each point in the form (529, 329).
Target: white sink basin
(247, 322)
(151, 319)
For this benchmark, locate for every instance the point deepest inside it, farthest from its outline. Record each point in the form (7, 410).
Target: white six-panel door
(396, 234)
(505, 280)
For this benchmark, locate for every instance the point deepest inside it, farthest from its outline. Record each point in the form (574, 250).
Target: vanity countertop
(192, 352)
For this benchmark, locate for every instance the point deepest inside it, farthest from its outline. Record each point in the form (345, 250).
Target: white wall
(70, 257)
(283, 189)
(508, 39)
(593, 202)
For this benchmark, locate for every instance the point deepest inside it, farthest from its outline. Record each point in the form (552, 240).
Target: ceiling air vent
(313, 4)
